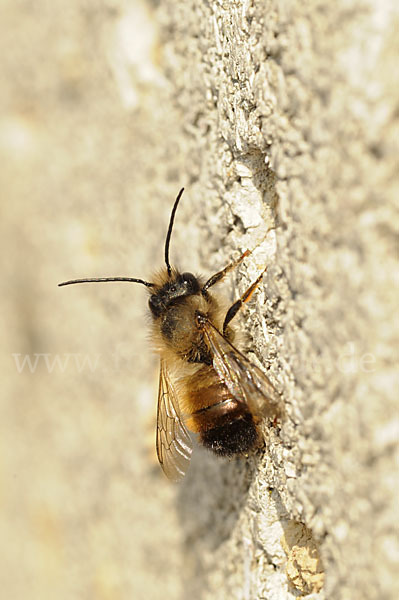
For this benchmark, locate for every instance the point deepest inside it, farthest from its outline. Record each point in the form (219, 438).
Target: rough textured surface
(281, 119)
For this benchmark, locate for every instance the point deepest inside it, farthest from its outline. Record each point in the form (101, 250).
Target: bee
(206, 385)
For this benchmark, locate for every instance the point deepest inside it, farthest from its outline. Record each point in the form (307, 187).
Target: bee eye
(190, 283)
(155, 304)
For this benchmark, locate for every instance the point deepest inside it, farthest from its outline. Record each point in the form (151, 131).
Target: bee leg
(219, 276)
(234, 308)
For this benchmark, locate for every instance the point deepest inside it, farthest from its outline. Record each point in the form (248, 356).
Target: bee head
(179, 286)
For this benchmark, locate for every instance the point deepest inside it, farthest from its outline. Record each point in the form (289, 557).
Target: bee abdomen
(226, 427)
(232, 437)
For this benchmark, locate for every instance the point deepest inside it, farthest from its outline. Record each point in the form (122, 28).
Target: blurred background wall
(90, 167)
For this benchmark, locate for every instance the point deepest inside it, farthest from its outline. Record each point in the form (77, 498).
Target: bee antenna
(172, 218)
(102, 279)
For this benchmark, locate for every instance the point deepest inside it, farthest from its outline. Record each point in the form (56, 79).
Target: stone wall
(280, 119)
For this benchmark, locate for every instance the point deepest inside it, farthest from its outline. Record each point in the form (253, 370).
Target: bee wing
(174, 444)
(246, 382)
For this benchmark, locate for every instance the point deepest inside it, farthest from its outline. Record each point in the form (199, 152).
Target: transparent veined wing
(174, 444)
(245, 381)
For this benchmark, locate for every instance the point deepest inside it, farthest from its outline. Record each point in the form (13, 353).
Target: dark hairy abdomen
(235, 437)
(225, 425)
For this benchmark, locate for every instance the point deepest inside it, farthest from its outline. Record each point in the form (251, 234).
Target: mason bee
(206, 385)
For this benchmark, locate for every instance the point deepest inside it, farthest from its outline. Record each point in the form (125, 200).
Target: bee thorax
(176, 327)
